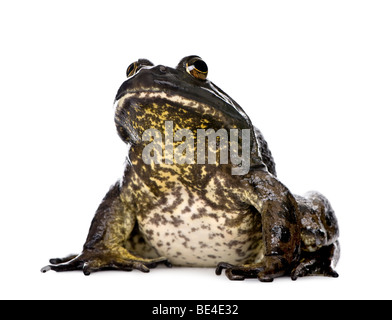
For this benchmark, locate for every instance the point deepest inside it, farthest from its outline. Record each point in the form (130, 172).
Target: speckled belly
(189, 231)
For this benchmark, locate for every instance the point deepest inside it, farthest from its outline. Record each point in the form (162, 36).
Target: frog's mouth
(132, 104)
(218, 106)
(146, 96)
(215, 118)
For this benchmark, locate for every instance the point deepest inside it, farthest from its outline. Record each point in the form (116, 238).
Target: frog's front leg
(281, 240)
(104, 248)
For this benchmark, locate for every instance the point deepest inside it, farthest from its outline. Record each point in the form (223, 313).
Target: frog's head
(154, 96)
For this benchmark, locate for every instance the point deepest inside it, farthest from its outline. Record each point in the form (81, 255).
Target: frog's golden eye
(131, 70)
(197, 68)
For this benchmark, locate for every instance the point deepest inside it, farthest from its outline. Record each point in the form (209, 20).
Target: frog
(246, 223)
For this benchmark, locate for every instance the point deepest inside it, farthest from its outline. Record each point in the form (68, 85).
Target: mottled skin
(201, 214)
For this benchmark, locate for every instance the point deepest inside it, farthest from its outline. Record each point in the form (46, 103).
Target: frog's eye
(131, 70)
(197, 68)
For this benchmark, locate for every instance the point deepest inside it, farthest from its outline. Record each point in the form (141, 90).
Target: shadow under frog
(200, 214)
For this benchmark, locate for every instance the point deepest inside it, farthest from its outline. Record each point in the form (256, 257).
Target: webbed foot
(94, 260)
(265, 271)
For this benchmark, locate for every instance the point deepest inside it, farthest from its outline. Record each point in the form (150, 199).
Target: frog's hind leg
(321, 262)
(91, 261)
(106, 243)
(138, 246)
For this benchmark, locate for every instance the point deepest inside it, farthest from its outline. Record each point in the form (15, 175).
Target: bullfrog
(200, 189)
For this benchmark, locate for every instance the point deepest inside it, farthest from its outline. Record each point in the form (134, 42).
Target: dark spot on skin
(233, 243)
(241, 231)
(214, 216)
(150, 232)
(191, 201)
(205, 227)
(170, 184)
(213, 235)
(203, 245)
(186, 210)
(211, 256)
(177, 221)
(181, 235)
(202, 211)
(158, 219)
(240, 253)
(196, 216)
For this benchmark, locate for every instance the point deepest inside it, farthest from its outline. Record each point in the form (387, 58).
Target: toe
(141, 267)
(264, 278)
(230, 273)
(221, 266)
(45, 269)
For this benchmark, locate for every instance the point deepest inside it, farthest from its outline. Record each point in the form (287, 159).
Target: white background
(314, 76)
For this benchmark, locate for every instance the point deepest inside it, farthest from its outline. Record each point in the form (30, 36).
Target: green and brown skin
(200, 214)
